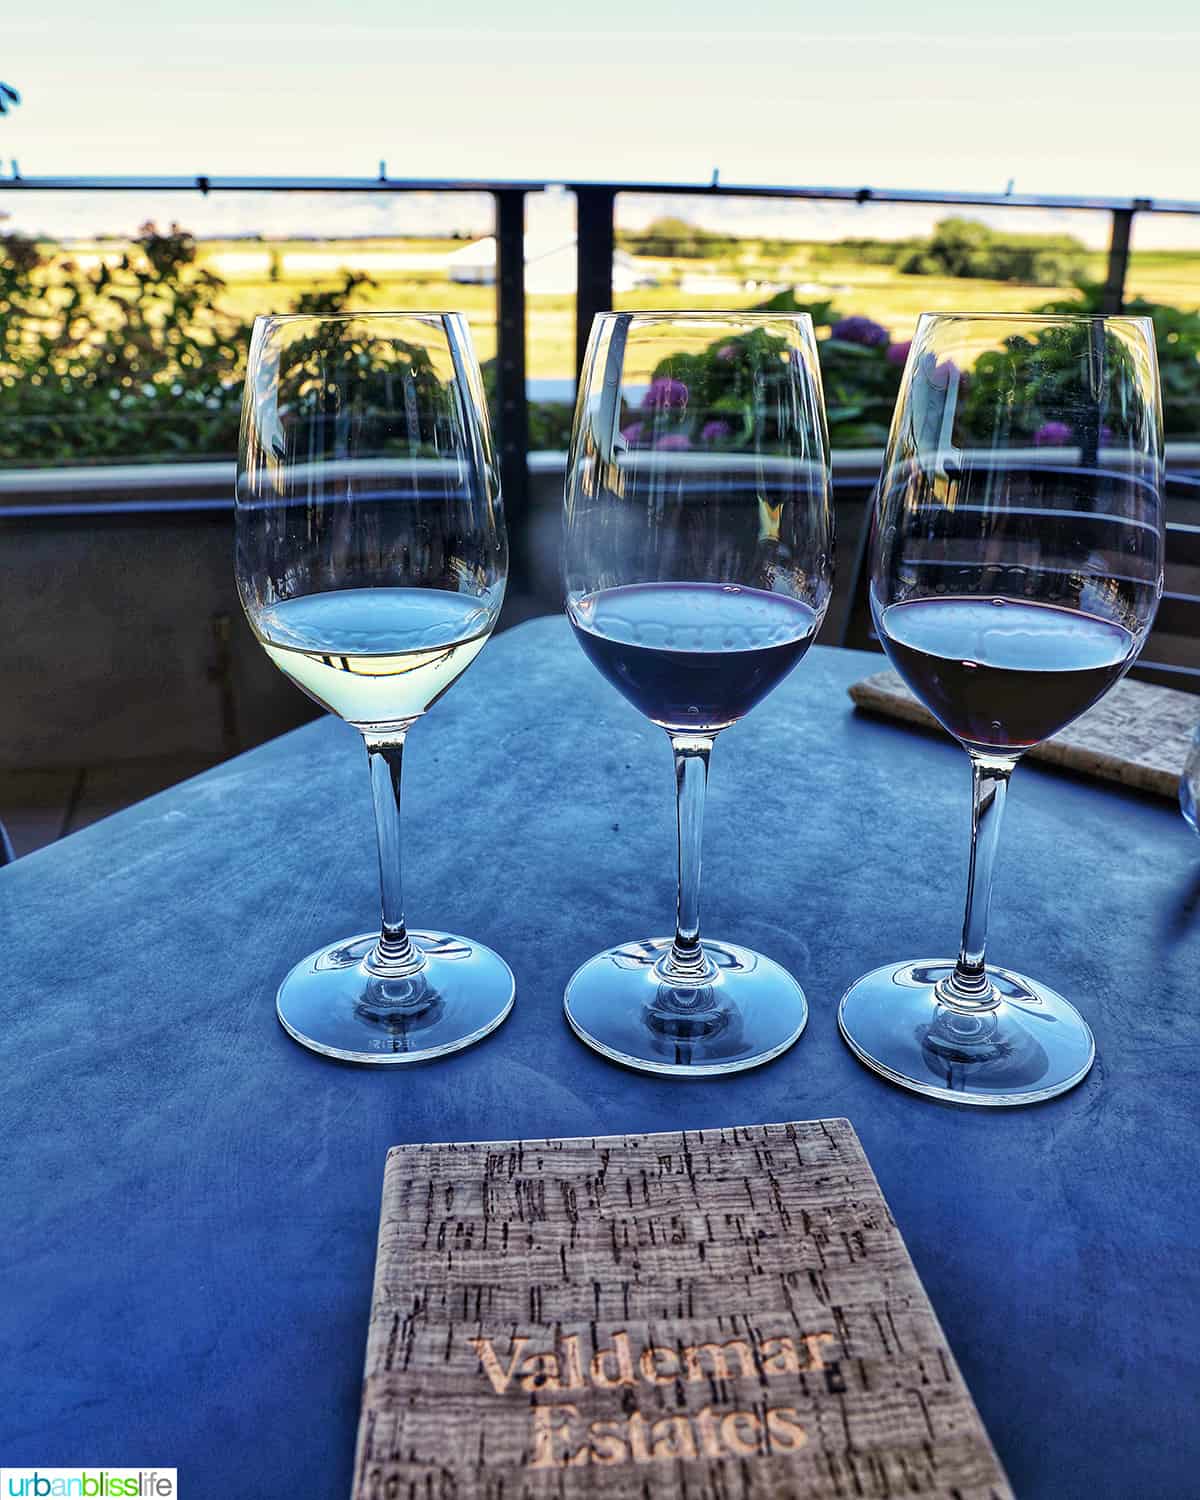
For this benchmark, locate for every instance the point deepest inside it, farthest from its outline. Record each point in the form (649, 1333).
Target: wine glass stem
(394, 954)
(687, 963)
(969, 988)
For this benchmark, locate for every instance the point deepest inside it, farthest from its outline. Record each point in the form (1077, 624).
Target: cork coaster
(1138, 734)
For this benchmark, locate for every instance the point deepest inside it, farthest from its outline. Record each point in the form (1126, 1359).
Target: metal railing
(595, 244)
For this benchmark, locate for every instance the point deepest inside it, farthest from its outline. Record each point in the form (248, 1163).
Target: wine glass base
(751, 1012)
(333, 1004)
(1031, 1046)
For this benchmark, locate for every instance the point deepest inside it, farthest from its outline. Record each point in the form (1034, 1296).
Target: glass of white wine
(371, 563)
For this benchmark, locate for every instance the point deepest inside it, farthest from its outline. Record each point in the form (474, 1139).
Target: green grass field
(853, 285)
(1171, 277)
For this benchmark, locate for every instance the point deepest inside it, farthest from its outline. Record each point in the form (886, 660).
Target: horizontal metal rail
(205, 183)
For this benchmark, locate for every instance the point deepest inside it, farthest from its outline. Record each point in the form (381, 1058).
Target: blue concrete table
(190, 1200)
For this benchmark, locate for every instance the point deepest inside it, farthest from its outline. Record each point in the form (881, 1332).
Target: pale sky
(1060, 95)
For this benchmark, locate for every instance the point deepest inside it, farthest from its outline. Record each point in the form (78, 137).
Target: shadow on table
(1182, 913)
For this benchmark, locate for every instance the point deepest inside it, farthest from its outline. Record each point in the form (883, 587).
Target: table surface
(190, 1199)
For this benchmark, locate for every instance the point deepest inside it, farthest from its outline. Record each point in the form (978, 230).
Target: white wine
(377, 658)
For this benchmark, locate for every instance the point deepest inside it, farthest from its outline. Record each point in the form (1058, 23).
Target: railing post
(593, 260)
(1118, 260)
(512, 414)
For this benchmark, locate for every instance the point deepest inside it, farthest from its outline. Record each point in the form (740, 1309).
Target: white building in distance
(549, 267)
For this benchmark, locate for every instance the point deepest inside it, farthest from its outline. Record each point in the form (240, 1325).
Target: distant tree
(966, 248)
(674, 238)
(872, 252)
(955, 248)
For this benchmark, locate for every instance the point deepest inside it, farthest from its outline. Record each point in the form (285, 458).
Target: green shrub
(1177, 335)
(860, 371)
(964, 247)
(134, 360)
(139, 360)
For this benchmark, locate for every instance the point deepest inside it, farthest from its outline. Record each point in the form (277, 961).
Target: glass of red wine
(698, 558)
(1016, 565)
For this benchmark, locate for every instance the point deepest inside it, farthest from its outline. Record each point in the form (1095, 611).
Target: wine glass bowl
(371, 561)
(1016, 566)
(698, 556)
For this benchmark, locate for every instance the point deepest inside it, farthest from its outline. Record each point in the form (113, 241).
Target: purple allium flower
(665, 394)
(633, 433)
(1052, 435)
(715, 431)
(727, 352)
(674, 442)
(898, 353)
(859, 330)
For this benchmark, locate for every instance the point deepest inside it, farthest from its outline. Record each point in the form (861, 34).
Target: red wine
(693, 657)
(1003, 674)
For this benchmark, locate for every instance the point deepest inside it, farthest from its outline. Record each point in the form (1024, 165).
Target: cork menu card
(717, 1315)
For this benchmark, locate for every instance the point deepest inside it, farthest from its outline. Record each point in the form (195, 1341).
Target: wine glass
(698, 557)
(1189, 784)
(1016, 565)
(371, 563)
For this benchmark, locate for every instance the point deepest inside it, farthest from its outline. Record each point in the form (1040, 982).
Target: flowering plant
(860, 330)
(859, 371)
(711, 400)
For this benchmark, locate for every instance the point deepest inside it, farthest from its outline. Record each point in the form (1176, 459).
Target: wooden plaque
(708, 1315)
(1138, 734)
